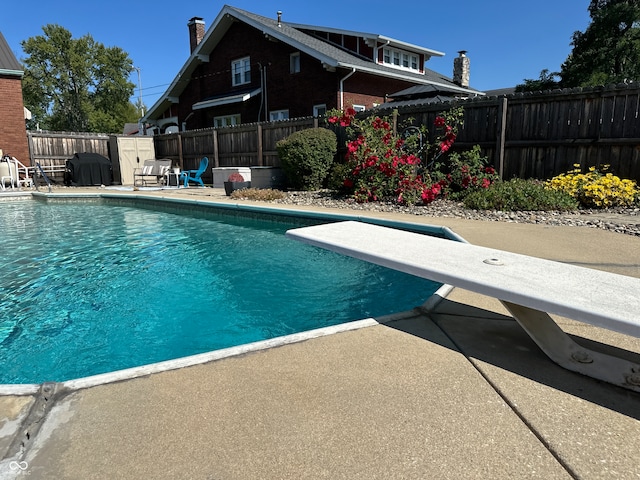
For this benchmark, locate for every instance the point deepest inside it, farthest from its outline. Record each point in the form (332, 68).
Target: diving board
(530, 288)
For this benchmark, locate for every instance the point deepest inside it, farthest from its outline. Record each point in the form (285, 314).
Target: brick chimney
(461, 69)
(196, 32)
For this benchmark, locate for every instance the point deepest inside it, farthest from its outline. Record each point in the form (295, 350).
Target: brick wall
(13, 133)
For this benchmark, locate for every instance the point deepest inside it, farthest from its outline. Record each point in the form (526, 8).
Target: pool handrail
(40, 171)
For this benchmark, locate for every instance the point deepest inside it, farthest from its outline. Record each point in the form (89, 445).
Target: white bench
(529, 287)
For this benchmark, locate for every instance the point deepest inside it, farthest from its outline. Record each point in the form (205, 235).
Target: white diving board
(529, 287)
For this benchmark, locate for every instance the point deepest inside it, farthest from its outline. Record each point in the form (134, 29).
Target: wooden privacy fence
(245, 145)
(544, 134)
(52, 149)
(524, 135)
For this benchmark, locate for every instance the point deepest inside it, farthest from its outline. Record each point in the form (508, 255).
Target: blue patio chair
(187, 176)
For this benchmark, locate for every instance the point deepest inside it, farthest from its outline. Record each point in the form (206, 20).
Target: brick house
(13, 132)
(247, 68)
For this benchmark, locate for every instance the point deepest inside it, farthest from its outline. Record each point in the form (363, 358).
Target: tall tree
(77, 85)
(547, 81)
(608, 51)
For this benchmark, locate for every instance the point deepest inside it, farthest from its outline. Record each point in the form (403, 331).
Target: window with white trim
(400, 59)
(359, 108)
(241, 71)
(276, 115)
(294, 63)
(320, 110)
(226, 120)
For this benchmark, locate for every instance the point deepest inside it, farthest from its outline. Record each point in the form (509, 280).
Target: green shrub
(465, 172)
(307, 156)
(518, 194)
(339, 171)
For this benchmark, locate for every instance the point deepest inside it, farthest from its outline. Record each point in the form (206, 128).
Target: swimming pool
(94, 287)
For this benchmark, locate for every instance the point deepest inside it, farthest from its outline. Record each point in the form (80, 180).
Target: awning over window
(224, 100)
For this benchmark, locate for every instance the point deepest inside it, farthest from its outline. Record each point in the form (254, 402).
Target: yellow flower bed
(595, 188)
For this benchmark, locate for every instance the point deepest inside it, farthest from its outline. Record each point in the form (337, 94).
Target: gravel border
(619, 220)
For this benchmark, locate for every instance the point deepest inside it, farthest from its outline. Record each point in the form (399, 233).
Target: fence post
(32, 160)
(180, 159)
(216, 157)
(259, 133)
(501, 136)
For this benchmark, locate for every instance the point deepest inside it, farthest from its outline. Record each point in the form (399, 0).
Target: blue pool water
(88, 288)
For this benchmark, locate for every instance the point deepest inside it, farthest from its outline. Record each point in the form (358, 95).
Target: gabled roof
(372, 39)
(9, 65)
(330, 55)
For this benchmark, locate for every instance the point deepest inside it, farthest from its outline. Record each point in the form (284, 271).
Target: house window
(276, 115)
(241, 70)
(319, 110)
(294, 62)
(226, 121)
(397, 58)
(359, 108)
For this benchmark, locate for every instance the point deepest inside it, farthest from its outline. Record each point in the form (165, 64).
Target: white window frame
(241, 71)
(359, 108)
(320, 110)
(400, 59)
(226, 120)
(294, 62)
(276, 115)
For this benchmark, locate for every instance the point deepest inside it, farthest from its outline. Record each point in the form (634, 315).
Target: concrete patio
(462, 393)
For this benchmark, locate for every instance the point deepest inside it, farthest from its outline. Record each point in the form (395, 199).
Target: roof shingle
(8, 62)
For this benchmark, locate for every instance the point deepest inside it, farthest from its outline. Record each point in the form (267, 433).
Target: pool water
(89, 288)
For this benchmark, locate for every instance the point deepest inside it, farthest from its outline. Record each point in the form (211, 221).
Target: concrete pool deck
(463, 393)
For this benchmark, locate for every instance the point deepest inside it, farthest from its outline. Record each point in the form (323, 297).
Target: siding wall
(13, 132)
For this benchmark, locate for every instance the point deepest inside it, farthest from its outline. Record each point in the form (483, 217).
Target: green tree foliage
(77, 85)
(608, 51)
(547, 81)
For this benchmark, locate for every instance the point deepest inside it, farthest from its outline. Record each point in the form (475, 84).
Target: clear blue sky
(507, 41)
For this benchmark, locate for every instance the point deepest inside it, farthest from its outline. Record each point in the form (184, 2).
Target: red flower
(486, 182)
(429, 194)
(350, 112)
(348, 183)
(439, 122)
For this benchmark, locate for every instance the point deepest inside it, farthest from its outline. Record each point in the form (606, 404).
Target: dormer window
(400, 59)
(241, 71)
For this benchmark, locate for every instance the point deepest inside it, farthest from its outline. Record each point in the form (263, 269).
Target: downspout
(184, 122)
(353, 70)
(262, 91)
(375, 53)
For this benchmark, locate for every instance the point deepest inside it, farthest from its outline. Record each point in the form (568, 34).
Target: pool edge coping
(202, 358)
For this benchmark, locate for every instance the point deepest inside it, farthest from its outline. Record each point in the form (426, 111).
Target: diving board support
(530, 288)
(560, 348)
